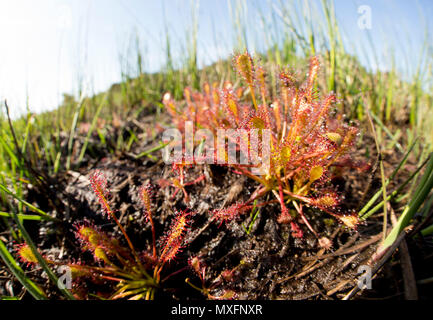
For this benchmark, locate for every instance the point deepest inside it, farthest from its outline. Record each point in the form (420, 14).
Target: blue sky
(47, 46)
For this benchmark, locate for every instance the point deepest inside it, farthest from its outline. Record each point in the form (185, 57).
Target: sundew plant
(297, 132)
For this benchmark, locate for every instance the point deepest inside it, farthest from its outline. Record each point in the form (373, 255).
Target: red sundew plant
(306, 139)
(179, 183)
(137, 276)
(200, 270)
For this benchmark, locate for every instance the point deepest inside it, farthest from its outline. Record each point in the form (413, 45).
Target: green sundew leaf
(233, 107)
(14, 267)
(335, 137)
(315, 173)
(286, 152)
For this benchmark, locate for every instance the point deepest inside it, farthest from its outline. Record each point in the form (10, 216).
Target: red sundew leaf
(328, 201)
(255, 120)
(198, 266)
(174, 239)
(349, 220)
(312, 74)
(296, 231)
(287, 78)
(228, 214)
(146, 195)
(98, 183)
(25, 254)
(245, 66)
(346, 162)
(78, 270)
(285, 216)
(261, 79)
(91, 238)
(231, 104)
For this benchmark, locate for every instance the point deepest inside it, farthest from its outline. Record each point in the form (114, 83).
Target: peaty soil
(264, 260)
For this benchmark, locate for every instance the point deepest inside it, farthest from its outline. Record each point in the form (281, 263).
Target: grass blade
(422, 191)
(393, 174)
(24, 216)
(148, 152)
(92, 128)
(394, 193)
(72, 131)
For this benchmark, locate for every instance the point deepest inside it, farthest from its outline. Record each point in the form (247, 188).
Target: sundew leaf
(13, 266)
(334, 137)
(316, 173)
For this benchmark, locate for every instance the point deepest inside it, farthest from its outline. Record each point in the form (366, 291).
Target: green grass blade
(72, 131)
(427, 231)
(92, 127)
(380, 123)
(422, 191)
(148, 152)
(9, 151)
(24, 216)
(393, 174)
(393, 194)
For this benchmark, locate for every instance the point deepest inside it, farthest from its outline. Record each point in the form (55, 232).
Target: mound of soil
(265, 260)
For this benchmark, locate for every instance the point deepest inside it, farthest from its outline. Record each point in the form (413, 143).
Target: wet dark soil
(267, 262)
